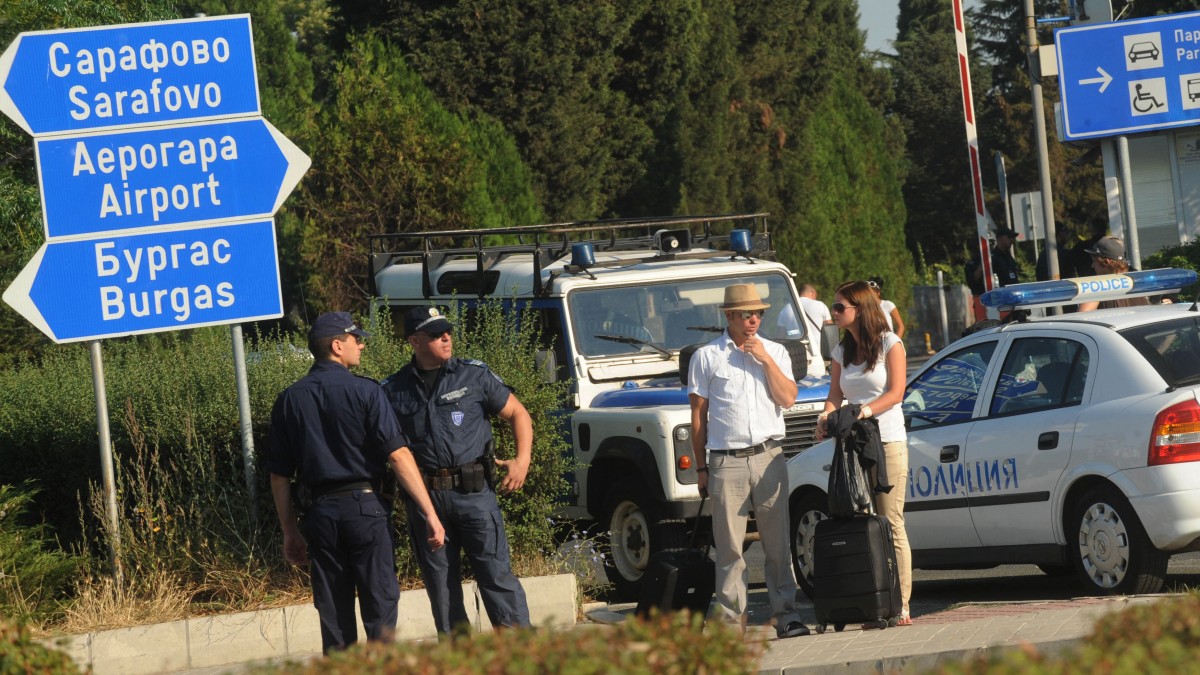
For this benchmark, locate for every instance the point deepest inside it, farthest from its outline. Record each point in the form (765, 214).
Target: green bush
(20, 654)
(1159, 637)
(35, 577)
(676, 643)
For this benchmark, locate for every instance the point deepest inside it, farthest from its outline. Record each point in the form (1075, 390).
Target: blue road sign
(87, 289)
(1129, 76)
(65, 81)
(127, 180)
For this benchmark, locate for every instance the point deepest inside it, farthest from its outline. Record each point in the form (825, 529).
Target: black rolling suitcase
(855, 575)
(679, 579)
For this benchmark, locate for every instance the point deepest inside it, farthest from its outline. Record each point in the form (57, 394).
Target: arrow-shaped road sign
(1103, 80)
(128, 180)
(63, 81)
(88, 289)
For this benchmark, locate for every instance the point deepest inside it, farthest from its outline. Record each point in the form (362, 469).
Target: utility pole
(1039, 130)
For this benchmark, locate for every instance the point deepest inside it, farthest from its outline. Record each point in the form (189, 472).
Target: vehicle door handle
(949, 453)
(1048, 440)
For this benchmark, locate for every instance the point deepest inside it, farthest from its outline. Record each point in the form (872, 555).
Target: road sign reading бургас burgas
(1129, 77)
(108, 77)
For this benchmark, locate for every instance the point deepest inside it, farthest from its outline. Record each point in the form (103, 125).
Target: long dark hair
(872, 325)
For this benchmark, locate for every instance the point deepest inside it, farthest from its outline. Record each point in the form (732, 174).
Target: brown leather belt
(769, 444)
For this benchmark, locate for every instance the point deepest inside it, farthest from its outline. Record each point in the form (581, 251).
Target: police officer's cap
(332, 324)
(425, 320)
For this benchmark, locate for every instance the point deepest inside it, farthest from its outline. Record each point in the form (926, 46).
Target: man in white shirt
(738, 386)
(816, 315)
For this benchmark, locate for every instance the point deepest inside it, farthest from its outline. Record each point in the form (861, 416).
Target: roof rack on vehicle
(553, 242)
(1089, 289)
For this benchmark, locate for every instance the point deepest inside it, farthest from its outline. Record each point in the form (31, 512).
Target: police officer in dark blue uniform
(444, 404)
(335, 432)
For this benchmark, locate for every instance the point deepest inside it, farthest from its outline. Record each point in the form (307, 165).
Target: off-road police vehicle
(618, 302)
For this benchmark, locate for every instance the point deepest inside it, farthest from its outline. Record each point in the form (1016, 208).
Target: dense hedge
(671, 644)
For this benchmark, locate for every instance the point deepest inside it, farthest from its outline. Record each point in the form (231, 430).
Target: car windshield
(1171, 347)
(672, 314)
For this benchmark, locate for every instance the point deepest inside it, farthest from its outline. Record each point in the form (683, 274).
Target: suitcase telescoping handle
(699, 515)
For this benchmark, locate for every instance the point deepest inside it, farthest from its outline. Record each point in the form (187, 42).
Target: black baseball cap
(332, 324)
(1109, 247)
(425, 320)
(1006, 232)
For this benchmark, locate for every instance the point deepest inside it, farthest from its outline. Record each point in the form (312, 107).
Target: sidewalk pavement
(953, 635)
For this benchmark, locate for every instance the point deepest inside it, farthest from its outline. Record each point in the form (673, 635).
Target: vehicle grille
(801, 431)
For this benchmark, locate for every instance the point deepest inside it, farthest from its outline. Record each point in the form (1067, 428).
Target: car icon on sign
(1143, 50)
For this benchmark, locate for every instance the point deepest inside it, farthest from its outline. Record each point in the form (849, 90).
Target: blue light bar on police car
(1089, 289)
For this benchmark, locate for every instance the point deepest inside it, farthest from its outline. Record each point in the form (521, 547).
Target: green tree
(1006, 114)
(546, 70)
(938, 189)
(390, 158)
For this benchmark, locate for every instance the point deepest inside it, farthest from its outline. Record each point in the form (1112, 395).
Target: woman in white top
(894, 322)
(868, 369)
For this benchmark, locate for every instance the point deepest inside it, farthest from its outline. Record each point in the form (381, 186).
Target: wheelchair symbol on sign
(1145, 102)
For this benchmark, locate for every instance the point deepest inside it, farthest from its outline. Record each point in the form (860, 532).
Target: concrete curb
(291, 632)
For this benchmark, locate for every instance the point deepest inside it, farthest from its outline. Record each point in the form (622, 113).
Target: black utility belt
(470, 477)
(341, 489)
(769, 444)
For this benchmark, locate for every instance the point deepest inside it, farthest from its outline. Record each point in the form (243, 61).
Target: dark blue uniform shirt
(331, 427)
(451, 426)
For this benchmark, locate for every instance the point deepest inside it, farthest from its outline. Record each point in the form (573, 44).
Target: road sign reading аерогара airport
(1129, 77)
(82, 79)
(163, 176)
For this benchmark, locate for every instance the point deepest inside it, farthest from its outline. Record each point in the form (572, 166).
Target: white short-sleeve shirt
(741, 412)
(860, 385)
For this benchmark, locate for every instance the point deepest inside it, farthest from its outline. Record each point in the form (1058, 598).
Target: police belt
(769, 444)
(340, 489)
(446, 478)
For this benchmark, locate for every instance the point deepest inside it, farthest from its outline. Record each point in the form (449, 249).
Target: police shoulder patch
(475, 362)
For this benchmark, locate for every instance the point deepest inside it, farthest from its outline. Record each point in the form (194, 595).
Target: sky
(878, 18)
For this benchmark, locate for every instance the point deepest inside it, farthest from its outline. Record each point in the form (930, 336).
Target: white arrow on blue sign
(88, 289)
(83, 79)
(1129, 76)
(163, 176)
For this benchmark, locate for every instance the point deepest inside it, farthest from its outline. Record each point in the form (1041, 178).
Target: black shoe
(793, 629)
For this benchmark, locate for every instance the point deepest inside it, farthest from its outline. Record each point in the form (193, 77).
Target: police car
(1070, 442)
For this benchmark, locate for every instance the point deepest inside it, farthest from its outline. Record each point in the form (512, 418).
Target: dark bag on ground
(855, 576)
(679, 579)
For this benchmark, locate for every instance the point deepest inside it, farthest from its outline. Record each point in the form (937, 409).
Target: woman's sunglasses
(840, 307)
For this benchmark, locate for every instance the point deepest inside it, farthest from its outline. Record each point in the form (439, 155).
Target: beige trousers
(739, 485)
(891, 506)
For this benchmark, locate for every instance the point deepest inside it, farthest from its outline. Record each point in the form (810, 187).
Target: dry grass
(158, 597)
(101, 603)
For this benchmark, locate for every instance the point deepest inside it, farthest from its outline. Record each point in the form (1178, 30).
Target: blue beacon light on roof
(1088, 289)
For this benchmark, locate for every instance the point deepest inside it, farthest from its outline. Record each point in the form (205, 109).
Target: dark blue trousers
(474, 527)
(351, 548)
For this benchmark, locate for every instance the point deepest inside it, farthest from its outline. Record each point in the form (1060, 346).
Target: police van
(620, 304)
(1071, 442)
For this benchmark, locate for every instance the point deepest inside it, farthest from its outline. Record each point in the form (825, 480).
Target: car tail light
(1176, 434)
